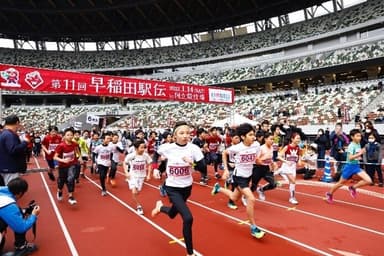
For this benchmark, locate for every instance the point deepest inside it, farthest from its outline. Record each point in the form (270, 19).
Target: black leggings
(103, 170)
(262, 171)
(178, 198)
(112, 171)
(67, 176)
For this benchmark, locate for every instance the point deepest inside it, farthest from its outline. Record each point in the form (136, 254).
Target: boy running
(245, 156)
(354, 154)
(66, 155)
(103, 154)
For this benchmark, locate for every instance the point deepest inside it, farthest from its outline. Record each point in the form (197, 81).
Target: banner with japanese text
(24, 78)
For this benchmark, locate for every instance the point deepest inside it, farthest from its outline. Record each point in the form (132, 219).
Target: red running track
(110, 226)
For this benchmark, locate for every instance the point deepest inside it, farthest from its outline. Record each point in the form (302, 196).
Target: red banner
(57, 81)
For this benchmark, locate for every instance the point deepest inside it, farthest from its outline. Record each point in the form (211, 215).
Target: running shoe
(244, 200)
(203, 181)
(72, 200)
(261, 193)
(139, 210)
(113, 182)
(26, 249)
(51, 176)
(232, 206)
(103, 193)
(329, 197)
(157, 174)
(256, 232)
(293, 200)
(163, 192)
(215, 189)
(59, 195)
(352, 191)
(157, 208)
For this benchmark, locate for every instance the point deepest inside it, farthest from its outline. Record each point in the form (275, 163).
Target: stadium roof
(117, 20)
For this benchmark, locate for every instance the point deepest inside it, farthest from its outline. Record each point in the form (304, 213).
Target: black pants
(178, 198)
(371, 169)
(67, 176)
(103, 170)
(259, 172)
(112, 172)
(20, 238)
(77, 171)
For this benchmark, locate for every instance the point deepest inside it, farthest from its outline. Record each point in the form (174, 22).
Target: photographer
(13, 151)
(11, 215)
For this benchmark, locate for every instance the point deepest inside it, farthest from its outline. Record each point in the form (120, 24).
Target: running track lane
(213, 233)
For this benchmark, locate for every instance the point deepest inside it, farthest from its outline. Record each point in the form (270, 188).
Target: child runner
(354, 154)
(140, 168)
(93, 143)
(289, 155)
(214, 141)
(264, 166)
(230, 160)
(245, 156)
(84, 150)
(372, 159)
(103, 155)
(117, 148)
(65, 155)
(80, 141)
(181, 157)
(49, 145)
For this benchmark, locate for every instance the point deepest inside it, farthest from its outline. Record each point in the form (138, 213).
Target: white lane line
(329, 185)
(268, 231)
(328, 219)
(175, 239)
(67, 236)
(339, 201)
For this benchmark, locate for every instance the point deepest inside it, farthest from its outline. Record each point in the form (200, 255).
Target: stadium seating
(221, 73)
(358, 14)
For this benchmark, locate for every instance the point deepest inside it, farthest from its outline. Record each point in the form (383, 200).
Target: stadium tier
(239, 45)
(318, 106)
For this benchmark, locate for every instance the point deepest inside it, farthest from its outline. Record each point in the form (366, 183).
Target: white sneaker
(103, 193)
(261, 194)
(156, 174)
(139, 210)
(72, 200)
(59, 195)
(157, 208)
(293, 200)
(244, 200)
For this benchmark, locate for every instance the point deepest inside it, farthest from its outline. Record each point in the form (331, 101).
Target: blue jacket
(12, 153)
(11, 214)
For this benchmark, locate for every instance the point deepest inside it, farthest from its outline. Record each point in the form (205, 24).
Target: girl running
(289, 155)
(264, 166)
(137, 167)
(181, 157)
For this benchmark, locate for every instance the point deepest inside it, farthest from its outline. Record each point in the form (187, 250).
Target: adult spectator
(323, 144)
(11, 215)
(339, 142)
(369, 129)
(12, 151)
